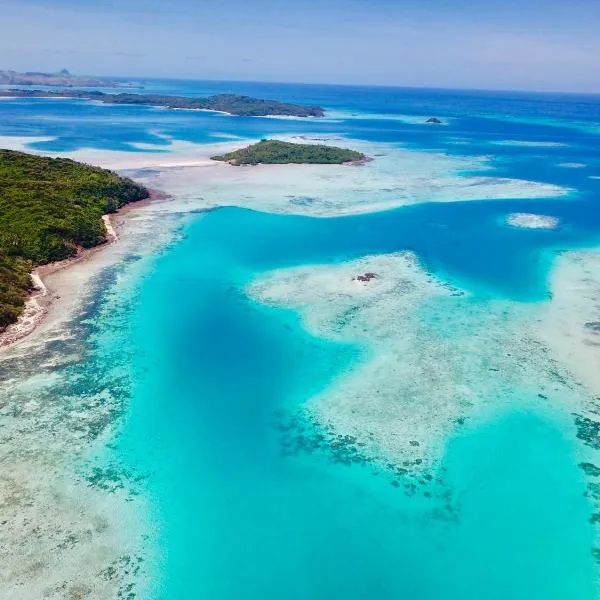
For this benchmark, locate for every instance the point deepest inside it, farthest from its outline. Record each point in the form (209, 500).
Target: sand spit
(167, 152)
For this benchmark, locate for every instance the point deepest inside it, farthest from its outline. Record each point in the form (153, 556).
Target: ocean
(290, 442)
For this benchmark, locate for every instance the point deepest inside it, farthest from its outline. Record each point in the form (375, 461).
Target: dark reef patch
(300, 435)
(588, 431)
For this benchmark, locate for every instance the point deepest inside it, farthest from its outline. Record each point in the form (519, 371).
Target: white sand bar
(532, 221)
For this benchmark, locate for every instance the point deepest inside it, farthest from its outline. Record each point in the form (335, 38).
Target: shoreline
(102, 101)
(185, 158)
(43, 297)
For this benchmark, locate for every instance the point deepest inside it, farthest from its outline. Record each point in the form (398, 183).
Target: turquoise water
(238, 517)
(237, 514)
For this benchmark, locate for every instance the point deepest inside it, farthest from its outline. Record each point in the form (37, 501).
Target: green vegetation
(49, 208)
(273, 152)
(242, 106)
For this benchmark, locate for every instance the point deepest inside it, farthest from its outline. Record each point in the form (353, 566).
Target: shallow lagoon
(213, 377)
(236, 514)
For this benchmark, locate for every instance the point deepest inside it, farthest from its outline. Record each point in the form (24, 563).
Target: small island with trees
(50, 209)
(275, 152)
(232, 104)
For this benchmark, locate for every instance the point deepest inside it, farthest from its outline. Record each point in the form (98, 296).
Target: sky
(545, 45)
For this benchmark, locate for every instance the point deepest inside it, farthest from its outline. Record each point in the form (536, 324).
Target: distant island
(242, 106)
(275, 152)
(50, 209)
(61, 79)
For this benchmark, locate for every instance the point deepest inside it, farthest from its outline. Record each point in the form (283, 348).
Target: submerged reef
(366, 277)
(588, 431)
(59, 534)
(435, 356)
(301, 434)
(532, 221)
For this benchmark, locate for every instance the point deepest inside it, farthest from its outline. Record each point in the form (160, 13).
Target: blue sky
(494, 44)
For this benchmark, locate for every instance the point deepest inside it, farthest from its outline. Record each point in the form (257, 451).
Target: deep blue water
(237, 519)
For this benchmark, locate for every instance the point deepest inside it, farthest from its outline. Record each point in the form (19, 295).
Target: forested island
(61, 79)
(275, 152)
(50, 208)
(242, 106)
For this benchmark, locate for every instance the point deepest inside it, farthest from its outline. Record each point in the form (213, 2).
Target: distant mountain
(61, 79)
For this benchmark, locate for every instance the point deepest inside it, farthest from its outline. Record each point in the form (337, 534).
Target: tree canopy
(277, 152)
(49, 209)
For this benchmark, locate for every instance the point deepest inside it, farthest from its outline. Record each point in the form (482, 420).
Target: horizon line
(331, 84)
(355, 85)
